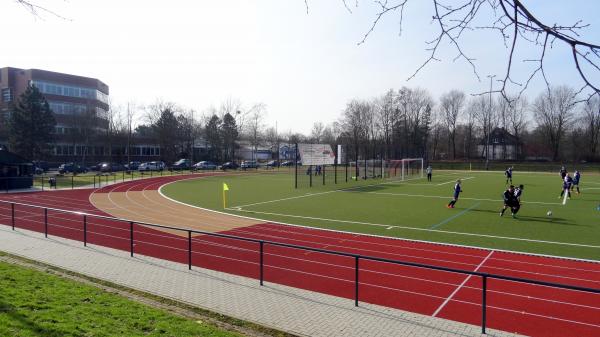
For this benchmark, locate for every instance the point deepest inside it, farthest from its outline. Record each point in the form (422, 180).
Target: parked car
(111, 167)
(182, 164)
(205, 165)
(229, 166)
(133, 165)
(273, 163)
(37, 170)
(43, 165)
(246, 164)
(71, 168)
(287, 163)
(151, 166)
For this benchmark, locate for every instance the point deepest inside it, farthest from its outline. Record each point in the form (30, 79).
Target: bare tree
(517, 120)
(554, 111)
(386, 115)
(591, 122)
(518, 27)
(451, 105)
(255, 125)
(317, 132)
(486, 120)
(469, 123)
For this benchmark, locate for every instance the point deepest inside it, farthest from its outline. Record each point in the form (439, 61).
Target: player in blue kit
(457, 191)
(576, 177)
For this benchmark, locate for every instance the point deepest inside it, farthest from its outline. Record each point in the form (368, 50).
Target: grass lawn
(416, 209)
(34, 303)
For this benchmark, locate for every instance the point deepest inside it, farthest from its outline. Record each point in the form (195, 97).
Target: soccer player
(567, 182)
(428, 170)
(519, 192)
(510, 200)
(562, 172)
(576, 177)
(457, 191)
(508, 174)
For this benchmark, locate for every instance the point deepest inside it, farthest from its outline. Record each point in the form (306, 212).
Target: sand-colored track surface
(142, 202)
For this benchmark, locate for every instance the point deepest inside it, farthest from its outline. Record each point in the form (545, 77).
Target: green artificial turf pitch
(416, 209)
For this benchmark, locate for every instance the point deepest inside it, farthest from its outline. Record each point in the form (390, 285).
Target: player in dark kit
(508, 174)
(510, 200)
(457, 191)
(519, 192)
(562, 172)
(567, 182)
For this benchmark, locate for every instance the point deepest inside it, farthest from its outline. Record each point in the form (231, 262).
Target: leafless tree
(386, 115)
(517, 26)
(554, 111)
(517, 120)
(451, 105)
(486, 120)
(255, 125)
(469, 123)
(591, 122)
(317, 132)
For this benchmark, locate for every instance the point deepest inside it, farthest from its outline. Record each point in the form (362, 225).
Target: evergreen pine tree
(31, 125)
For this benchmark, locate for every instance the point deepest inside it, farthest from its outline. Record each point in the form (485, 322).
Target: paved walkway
(293, 310)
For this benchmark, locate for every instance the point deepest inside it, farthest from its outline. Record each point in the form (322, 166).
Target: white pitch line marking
(460, 286)
(452, 181)
(424, 229)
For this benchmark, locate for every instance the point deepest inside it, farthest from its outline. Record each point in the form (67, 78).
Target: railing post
(73, 181)
(85, 230)
(483, 304)
(189, 250)
(12, 209)
(42, 182)
(45, 222)
(356, 281)
(131, 238)
(261, 263)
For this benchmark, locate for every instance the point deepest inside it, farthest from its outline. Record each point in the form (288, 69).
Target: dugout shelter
(15, 171)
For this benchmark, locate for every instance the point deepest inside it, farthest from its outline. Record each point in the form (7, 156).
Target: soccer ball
(549, 213)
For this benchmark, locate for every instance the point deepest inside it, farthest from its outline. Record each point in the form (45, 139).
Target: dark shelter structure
(15, 171)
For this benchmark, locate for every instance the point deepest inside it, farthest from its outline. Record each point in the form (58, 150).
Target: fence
(73, 181)
(133, 233)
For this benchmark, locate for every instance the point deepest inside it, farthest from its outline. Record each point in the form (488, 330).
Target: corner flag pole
(566, 191)
(225, 189)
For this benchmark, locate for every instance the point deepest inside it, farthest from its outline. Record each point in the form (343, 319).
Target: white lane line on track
(437, 311)
(423, 229)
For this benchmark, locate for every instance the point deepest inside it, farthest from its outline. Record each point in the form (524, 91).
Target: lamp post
(489, 122)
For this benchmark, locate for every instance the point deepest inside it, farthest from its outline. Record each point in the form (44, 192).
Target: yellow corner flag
(225, 188)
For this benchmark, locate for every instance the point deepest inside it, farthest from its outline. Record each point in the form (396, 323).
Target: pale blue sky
(304, 67)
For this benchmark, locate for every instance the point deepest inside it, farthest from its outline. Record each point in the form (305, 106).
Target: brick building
(79, 105)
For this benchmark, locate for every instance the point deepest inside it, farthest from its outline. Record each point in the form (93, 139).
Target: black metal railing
(262, 243)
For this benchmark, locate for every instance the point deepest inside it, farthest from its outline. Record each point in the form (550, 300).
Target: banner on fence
(316, 154)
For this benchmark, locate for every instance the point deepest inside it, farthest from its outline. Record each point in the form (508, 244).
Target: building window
(66, 90)
(7, 95)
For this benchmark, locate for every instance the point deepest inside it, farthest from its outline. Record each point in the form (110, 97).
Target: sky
(305, 67)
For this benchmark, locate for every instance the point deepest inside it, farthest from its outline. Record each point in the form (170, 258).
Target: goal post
(404, 169)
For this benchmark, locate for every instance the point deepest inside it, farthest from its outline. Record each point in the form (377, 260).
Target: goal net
(404, 169)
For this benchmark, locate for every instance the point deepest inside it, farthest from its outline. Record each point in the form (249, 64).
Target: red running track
(514, 307)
